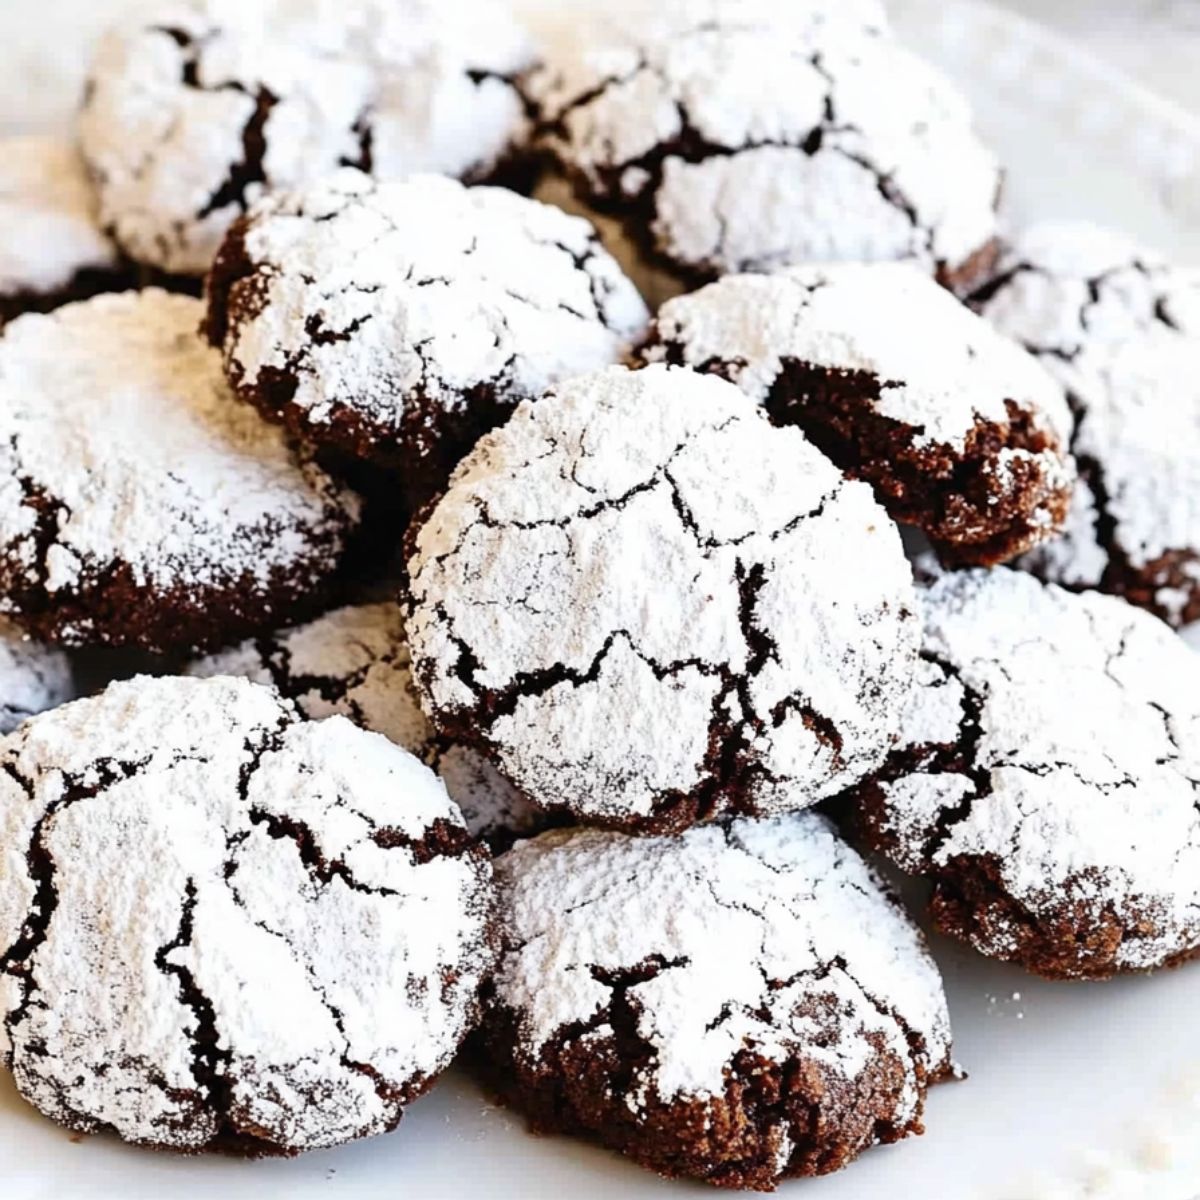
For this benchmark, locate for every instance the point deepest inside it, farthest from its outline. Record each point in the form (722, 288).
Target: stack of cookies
(498, 525)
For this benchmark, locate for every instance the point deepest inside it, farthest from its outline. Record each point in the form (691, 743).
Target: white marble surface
(1155, 41)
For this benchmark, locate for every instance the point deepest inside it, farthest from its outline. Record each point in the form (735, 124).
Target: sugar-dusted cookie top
(737, 140)
(222, 927)
(399, 321)
(652, 607)
(140, 503)
(195, 108)
(1046, 777)
(693, 1000)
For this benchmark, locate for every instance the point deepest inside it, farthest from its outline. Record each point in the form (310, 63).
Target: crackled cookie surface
(652, 607)
(738, 1004)
(140, 503)
(1046, 780)
(959, 430)
(740, 141)
(354, 662)
(223, 927)
(52, 248)
(399, 321)
(194, 108)
(1120, 327)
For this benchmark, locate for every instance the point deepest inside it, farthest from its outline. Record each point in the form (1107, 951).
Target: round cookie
(397, 322)
(1047, 778)
(743, 142)
(959, 431)
(1120, 328)
(652, 608)
(225, 928)
(197, 107)
(740, 1005)
(354, 662)
(33, 677)
(142, 505)
(52, 248)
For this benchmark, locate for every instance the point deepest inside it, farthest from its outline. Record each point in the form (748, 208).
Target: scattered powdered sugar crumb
(750, 141)
(1120, 328)
(197, 107)
(116, 418)
(373, 295)
(941, 369)
(33, 677)
(1076, 763)
(645, 542)
(773, 937)
(354, 662)
(217, 919)
(48, 215)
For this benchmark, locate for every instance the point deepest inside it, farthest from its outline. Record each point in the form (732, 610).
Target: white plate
(1075, 1090)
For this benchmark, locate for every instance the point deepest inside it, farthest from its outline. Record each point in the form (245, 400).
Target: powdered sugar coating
(354, 662)
(767, 940)
(739, 142)
(387, 312)
(875, 359)
(196, 107)
(217, 921)
(48, 215)
(1120, 328)
(33, 677)
(1053, 746)
(124, 451)
(645, 543)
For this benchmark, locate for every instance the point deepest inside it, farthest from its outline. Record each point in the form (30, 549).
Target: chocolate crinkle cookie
(1047, 778)
(396, 322)
(354, 662)
(52, 248)
(738, 140)
(1120, 327)
(140, 503)
(739, 1005)
(958, 429)
(195, 108)
(225, 928)
(644, 542)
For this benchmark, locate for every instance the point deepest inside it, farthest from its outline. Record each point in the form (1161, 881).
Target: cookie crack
(321, 869)
(250, 169)
(17, 959)
(957, 758)
(210, 1060)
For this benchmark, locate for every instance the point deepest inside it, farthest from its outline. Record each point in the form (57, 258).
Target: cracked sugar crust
(53, 248)
(1048, 778)
(959, 430)
(400, 321)
(651, 608)
(140, 504)
(222, 927)
(196, 108)
(739, 1004)
(1120, 328)
(740, 143)
(354, 662)
(33, 677)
